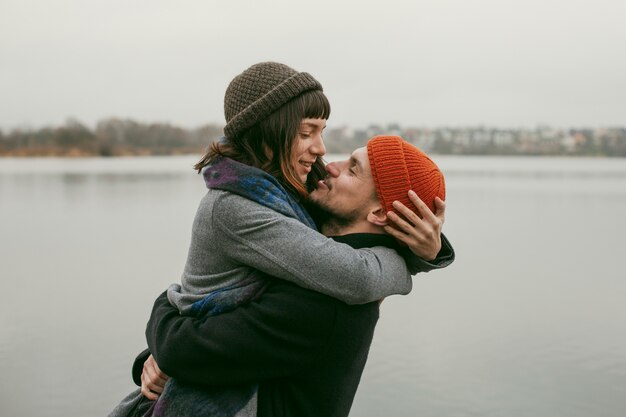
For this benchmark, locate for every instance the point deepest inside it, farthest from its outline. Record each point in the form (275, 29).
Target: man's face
(348, 193)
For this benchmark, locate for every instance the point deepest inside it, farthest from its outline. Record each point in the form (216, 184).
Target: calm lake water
(530, 321)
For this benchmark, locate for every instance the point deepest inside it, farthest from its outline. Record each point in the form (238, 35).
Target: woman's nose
(318, 147)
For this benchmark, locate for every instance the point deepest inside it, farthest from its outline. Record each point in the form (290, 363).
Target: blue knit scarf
(256, 185)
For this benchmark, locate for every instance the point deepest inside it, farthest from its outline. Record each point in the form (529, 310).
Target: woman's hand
(423, 236)
(152, 379)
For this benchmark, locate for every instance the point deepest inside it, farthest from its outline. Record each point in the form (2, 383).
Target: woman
(251, 217)
(251, 225)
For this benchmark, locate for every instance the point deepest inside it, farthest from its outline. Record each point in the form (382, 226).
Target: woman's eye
(305, 134)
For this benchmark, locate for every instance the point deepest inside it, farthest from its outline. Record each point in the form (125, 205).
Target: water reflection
(527, 322)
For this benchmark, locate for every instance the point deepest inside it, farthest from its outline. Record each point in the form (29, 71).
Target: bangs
(315, 105)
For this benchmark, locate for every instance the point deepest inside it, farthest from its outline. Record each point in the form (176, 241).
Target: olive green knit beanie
(261, 90)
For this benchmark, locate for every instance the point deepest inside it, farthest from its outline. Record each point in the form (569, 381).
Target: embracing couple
(288, 262)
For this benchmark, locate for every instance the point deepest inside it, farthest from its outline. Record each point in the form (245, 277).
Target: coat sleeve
(261, 238)
(138, 366)
(416, 264)
(272, 337)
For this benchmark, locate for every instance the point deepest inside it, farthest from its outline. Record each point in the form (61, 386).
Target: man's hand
(152, 379)
(423, 236)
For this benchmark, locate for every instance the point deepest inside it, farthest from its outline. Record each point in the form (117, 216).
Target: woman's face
(308, 146)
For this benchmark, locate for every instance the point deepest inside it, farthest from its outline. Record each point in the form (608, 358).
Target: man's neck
(331, 228)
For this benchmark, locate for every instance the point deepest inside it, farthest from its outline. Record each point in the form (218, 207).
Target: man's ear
(377, 216)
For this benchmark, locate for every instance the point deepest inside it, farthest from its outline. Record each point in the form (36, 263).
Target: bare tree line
(119, 137)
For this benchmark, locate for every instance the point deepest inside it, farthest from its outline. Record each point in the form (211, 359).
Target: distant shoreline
(122, 137)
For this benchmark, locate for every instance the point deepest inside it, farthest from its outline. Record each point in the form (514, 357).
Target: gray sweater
(233, 236)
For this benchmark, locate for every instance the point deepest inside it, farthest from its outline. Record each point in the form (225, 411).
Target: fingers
(422, 236)
(396, 234)
(154, 374)
(149, 388)
(440, 207)
(152, 379)
(436, 220)
(156, 384)
(146, 391)
(421, 206)
(429, 219)
(403, 225)
(409, 214)
(154, 367)
(413, 236)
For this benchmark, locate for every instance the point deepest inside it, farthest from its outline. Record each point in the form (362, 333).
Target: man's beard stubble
(328, 222)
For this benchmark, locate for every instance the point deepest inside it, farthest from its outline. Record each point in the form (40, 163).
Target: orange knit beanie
(397, 167)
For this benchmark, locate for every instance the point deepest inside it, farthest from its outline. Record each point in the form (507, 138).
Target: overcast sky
(419, 63)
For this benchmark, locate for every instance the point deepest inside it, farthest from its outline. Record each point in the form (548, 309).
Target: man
(306, 350)
(358, 193)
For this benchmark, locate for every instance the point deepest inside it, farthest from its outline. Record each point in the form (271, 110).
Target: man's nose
(332, 169)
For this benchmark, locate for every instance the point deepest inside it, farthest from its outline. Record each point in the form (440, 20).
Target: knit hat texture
(261, 90)
(397, 167)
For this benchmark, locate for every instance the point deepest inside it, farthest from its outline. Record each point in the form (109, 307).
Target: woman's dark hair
(267, 145)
